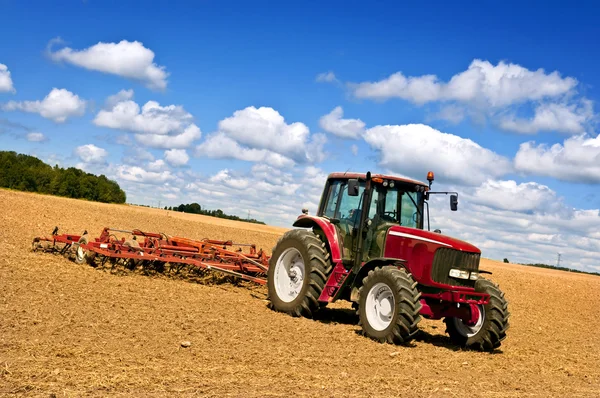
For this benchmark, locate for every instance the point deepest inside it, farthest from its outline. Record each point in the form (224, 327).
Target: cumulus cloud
(262, 135)
(6, 83)
(35, 137)
(326, 77)
(414, 149)
(334, 123)
(58, 105)
(127, 59)
(154, 125)
(182, 140)
(495, 91)
(265, 128)
(564, 118)
(220, 146)
(576, 160)
(90, 153)
(508, 195)
(176, 157)
(140, 175)
(122, 96)
(499, 85)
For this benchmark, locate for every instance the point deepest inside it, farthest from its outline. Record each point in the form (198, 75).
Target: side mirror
(353, 187)
(453, 202)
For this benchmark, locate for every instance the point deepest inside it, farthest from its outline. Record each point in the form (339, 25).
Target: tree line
(195, 208)
(28, 173)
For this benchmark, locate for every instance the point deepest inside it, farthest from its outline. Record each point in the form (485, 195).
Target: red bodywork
(417, 248)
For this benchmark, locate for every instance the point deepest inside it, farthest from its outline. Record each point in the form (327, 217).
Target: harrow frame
(208, 254)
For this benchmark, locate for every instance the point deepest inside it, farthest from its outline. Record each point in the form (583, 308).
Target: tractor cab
(364, 207)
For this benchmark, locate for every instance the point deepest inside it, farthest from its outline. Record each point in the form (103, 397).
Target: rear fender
(328, 230)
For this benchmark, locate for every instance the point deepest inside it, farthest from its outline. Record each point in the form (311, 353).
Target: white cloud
(508, 195)
(121, 96)
(563, 118)
(354, 149)
(577, 159)
(499, 85)
(262, 135)
(136, 155)
(183, 140)
(154, 125)
(90, 153)
(414, 149)
(127, 59)
(157, 165)
(220, 146)
(176, 157)
(6, 83)
(347, 128)
(140, 175)
(265, 128)
(152, 118)
(58, 105)
(326, 77)
(35, 137)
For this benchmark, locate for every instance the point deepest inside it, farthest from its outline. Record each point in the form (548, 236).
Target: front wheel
(389, 305)
(490, 329)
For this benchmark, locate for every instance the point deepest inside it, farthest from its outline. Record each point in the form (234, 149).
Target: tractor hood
(432, 238)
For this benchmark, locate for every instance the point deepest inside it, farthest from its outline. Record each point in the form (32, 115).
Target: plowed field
(72, 330)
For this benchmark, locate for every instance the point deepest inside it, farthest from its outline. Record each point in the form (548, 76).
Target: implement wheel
(82, 255)
(388, 306)
(490, 329)
(297, 273)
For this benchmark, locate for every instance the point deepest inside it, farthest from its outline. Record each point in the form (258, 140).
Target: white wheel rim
(380, 306)
(79, 253)
(289, 275)
(470, 331)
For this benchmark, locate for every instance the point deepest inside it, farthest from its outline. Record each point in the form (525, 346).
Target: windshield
(399, 207)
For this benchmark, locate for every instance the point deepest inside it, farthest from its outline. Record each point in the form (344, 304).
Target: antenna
(558, 255)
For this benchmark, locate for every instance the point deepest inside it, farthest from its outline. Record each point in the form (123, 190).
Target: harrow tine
(161, 253)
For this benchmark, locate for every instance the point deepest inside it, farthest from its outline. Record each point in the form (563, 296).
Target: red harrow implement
(149, 249)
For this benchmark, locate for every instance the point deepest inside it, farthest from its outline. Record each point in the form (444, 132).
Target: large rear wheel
(297, 273)
(490, 329)
(389, 305)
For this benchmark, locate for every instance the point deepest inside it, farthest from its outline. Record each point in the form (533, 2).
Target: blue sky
(413, 85)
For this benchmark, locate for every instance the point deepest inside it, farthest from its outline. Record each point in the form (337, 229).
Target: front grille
(445, 259)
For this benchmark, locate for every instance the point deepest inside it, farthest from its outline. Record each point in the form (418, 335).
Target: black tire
(495, 322)
(316, 265)
(80, 256)
(405, 315)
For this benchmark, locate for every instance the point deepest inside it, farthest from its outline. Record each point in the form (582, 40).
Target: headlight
(474, 275)
(459, 273)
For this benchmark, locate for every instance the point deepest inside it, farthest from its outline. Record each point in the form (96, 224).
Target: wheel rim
(79, 253)
(290, 272)
(380, 306)
(470, 331)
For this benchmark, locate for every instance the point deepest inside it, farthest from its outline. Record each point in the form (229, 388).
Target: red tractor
(367, 244)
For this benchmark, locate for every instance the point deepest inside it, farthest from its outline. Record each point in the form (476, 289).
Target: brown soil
(72, 330)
